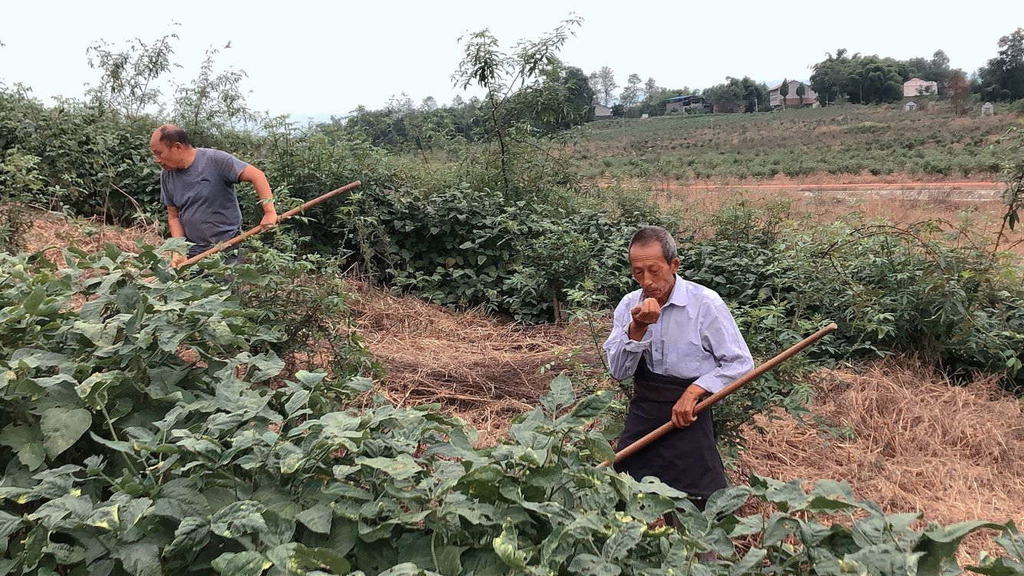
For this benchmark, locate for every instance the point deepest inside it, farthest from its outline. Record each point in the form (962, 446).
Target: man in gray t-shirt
(198, 187)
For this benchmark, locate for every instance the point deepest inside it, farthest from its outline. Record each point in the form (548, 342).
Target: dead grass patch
(52, 232)
(904, 437)
(480, 369)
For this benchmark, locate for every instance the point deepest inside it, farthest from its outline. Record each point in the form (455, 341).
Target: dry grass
(480, 369)
(907, 439)
(52, 232)
(972, 211)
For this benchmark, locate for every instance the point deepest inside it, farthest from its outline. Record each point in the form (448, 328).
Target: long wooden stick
(258, 229)
(707, 402)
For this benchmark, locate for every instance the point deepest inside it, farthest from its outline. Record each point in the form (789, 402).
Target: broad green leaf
(116, 445)
(139, 559)
(297, 400)
(590, 565)
(179, 499)
(310, 379)
(448, 560)
(593, 406)
(750, 563)
(9, 524)
(507, 548)
(622, 541)
(886, 559)
(238, 518)
(297, 559)
(191, 535)
(317, 518)
(34, 299)
(407, 569)
(27, 442)
(726, 501)
(938, 547)
(401, 467)
(65, 554)
(248, 563)
(62, 427)
(105, 518)
(559, 396)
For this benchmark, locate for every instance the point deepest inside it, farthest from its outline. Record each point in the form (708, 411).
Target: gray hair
(656, 235)
(171, 134)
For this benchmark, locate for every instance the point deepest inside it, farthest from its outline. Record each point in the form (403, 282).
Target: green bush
(889, 289)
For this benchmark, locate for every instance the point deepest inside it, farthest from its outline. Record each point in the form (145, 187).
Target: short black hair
(171, 134)
(656, 235)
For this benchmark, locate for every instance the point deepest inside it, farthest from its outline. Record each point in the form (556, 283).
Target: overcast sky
(320, 58)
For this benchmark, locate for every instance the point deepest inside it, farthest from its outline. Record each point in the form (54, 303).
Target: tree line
(838, 78)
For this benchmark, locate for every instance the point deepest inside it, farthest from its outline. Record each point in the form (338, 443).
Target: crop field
(826, 144)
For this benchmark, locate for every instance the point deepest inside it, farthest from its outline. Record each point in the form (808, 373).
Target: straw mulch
(52, 232)
(480, 369)
(906, 438)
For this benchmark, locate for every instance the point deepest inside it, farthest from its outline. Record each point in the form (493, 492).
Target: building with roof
(792, 100)
(689, 103)
(917, 87)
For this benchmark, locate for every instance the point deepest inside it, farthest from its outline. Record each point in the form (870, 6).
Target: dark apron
(686, 459)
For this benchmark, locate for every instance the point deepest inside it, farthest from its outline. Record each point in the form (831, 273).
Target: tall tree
(631, 93)
(859, 79)
(737, 95)
(562, 99)
(500, 74)
(212, 100)
(784, 91)
(959, 92)
(801, 91)
(650, 87)
(128, 83)
(1003, 77)
(606, 85)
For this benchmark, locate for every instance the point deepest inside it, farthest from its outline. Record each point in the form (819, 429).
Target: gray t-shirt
(204, 194)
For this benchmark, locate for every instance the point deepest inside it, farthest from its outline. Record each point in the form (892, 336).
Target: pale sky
(320, 58)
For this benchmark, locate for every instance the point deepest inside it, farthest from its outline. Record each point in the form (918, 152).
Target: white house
(601, 111)
(917, 87)
(792, 99)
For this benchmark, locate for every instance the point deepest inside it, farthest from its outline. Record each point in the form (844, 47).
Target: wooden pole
(710, 400)
(258, 229)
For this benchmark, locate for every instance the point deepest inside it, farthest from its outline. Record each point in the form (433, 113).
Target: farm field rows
(834, 142)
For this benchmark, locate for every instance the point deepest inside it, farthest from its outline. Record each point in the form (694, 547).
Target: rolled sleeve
(624, 353)
(721, 338)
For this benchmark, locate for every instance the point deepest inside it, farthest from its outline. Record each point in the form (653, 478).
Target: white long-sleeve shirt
(694, 338)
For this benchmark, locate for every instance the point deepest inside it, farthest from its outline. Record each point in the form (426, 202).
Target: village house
(602, 112)
(792, 99)
(685, 104)
(917, 87)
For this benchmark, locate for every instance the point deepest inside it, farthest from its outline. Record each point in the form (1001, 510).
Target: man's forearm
(263, 192)
(175, 227)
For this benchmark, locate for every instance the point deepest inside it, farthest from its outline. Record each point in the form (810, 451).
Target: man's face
(650, 269)
(169, 157)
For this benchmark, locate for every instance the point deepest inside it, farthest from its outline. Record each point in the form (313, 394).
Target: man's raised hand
(646, 312)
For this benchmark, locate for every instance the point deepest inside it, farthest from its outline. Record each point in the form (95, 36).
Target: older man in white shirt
(678, 341)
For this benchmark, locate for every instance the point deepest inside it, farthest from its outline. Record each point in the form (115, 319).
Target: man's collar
(678, 296)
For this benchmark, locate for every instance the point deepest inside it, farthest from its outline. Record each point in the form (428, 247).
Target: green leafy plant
(141, 437)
